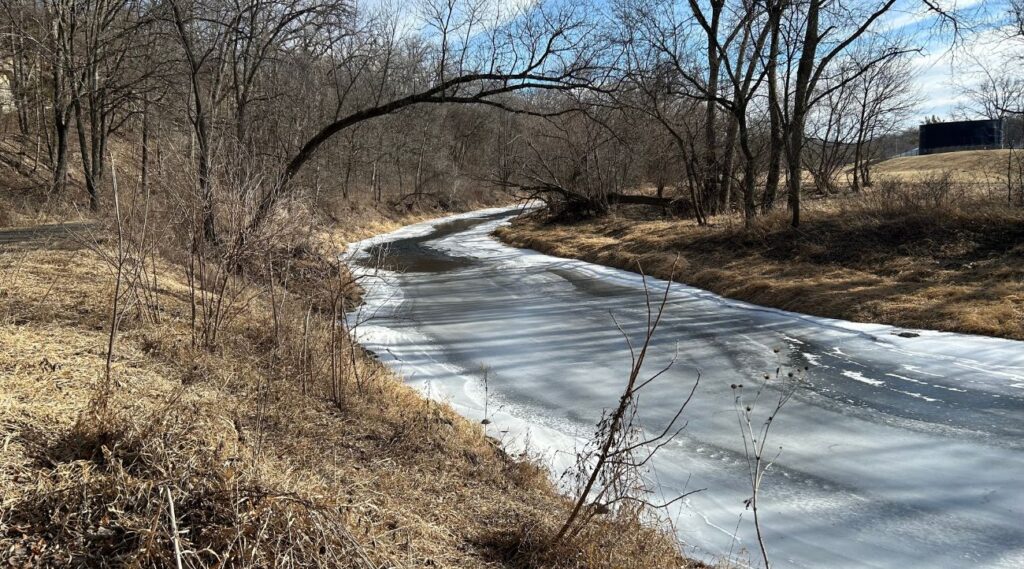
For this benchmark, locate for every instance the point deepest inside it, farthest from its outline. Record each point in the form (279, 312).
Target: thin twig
(174, 528)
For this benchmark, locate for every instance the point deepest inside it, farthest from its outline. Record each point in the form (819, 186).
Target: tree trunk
(199, 126)
(712, 173)
(206, 192)
(725, 172)
(775, 137)
(60, 107)
(801, 99)
(857, 166)
(60, 151)
(374, 182)
(87, 167)
(19, 80)
(749, 170)
(145, 145)
(793, 175)
(345, 182)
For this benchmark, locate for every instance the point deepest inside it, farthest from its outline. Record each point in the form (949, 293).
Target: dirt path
(54, 234)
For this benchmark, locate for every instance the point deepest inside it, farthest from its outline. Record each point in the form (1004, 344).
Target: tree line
(244, 105)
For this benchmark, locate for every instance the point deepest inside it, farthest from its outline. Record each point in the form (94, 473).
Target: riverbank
(279, 442)
(917, 266)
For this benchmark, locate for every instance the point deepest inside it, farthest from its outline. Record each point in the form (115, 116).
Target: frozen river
(903, 449)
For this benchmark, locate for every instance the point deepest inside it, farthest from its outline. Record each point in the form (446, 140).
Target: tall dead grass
(938, 254)
(273, 442)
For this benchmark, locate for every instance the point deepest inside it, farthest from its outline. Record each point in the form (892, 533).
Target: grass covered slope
(259, 463)
(977, 166)
(915, 264)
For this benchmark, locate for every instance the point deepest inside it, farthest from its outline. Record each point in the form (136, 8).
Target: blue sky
(944, 61)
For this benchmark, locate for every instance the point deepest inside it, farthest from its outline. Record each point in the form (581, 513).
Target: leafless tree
(884, 98)
(827, 33)
(536, 50)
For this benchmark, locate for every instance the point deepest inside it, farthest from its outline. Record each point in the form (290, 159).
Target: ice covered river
(903, 449)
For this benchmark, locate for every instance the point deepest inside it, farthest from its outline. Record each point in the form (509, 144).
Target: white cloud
(915, 14)
(942, 68)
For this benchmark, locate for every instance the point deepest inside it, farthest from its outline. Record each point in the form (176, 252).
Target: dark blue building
(960, 135)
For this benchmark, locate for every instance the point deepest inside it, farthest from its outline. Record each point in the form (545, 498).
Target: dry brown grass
(259, 474)
(25, 180)
(967, 166)
(944, 259)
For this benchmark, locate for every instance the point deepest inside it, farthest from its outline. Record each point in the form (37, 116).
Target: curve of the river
(902, 449)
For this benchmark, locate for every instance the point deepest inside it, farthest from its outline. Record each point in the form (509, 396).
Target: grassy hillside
(967, 166)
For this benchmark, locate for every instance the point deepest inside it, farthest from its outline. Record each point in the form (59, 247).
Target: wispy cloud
(946, 64)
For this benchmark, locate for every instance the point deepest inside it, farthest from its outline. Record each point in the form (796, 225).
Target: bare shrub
(934, 191)
(126, 259)
(609, 471)
(1015, 177)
